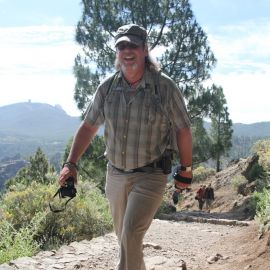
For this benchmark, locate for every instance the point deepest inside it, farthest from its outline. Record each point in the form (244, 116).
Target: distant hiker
(200, 196)
(209, 197)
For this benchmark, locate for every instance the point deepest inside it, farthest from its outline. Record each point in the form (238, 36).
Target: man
(138, 107)
(209, 197)
(200, 196)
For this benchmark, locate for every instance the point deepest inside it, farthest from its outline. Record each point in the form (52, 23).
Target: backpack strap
(112, 82)
(164, 110)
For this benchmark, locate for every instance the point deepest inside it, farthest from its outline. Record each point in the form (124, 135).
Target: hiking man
(140, 108)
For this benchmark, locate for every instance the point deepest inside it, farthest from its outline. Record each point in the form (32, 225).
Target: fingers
(65, 174)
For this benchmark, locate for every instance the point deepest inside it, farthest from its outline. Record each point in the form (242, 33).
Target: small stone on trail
(214, 258)
(153, 245)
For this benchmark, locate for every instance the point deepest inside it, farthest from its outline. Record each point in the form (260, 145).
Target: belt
(147, 168)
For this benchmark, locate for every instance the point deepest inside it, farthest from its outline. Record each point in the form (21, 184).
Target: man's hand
(182, 179)
(66, 172)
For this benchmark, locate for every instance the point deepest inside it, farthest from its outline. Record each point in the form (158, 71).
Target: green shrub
(262, 149)
(201, 173)
(17, 243)
(237, 181)
(165, 208)
(256, 171)
(86, 216)
(263, 209)
(20, 205)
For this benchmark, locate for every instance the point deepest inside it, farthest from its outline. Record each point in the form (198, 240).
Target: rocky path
(169, 245)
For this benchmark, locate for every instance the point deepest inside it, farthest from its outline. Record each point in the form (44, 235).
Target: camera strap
(61, 209)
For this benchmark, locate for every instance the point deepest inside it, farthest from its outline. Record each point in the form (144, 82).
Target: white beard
(125, 68)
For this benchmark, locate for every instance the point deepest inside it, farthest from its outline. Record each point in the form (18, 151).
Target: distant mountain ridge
(37, 120)
(46, 121)
(259, 129)
(26, 126)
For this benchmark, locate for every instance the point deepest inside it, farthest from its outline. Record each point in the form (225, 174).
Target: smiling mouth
(128, 58)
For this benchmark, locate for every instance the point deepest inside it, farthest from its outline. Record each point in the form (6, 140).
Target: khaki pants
(134, 199)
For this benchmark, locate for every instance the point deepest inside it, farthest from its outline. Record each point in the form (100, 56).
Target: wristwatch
(186, 168)
(70, 164)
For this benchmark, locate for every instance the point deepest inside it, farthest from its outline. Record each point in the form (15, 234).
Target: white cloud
(36, 63)
(242, 47)
(243, 68)
(247, 96)
(37, 49)
(37, 60)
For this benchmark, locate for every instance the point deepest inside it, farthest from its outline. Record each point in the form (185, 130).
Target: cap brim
(129, 38)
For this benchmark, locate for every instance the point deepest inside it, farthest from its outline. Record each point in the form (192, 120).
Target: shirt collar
(147, 79)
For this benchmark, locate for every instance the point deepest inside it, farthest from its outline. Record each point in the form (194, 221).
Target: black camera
(68, 190)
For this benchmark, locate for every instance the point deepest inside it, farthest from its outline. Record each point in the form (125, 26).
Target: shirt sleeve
(177, 108)
(95, 111)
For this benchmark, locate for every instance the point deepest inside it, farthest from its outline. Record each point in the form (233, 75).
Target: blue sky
(37, 51)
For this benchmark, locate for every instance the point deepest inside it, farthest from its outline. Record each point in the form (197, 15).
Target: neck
(133, 77)
(134, 82)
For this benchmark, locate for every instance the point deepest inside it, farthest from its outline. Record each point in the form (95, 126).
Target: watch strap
(183, 179)
(70, 164)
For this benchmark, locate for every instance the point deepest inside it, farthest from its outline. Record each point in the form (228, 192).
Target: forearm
(184, 143)
(81, 141)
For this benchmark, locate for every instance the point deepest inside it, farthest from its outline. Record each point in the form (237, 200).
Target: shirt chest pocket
(111, 105)
(153, 110)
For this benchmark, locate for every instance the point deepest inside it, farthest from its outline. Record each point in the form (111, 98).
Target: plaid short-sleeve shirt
(136, 121)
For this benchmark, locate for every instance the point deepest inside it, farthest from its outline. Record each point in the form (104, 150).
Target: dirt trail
(169, 245)
(210, 246)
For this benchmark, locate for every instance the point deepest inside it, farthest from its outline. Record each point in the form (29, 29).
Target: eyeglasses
(126, 45)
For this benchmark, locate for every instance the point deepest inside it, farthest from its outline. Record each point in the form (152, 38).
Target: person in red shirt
(200, 196)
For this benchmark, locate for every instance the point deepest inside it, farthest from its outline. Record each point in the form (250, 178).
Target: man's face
(130, 56)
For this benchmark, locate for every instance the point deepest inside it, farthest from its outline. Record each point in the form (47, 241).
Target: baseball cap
(131, 33)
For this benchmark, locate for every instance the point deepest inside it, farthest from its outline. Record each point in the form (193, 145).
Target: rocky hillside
(231, 202)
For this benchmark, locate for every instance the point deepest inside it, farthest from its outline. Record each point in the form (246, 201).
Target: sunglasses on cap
(126, 45)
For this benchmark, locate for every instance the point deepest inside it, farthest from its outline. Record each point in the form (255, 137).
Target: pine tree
(178, 41)
(221, 126)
